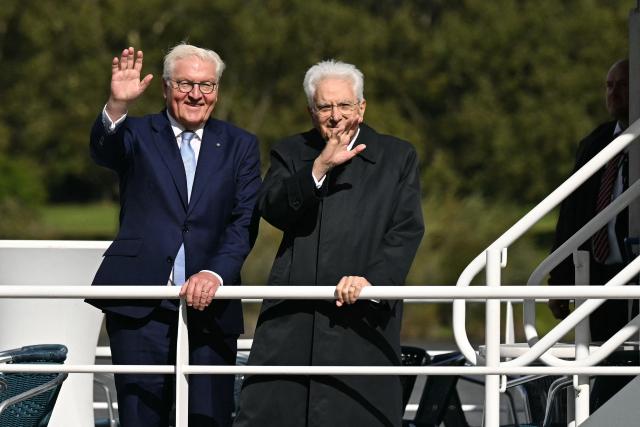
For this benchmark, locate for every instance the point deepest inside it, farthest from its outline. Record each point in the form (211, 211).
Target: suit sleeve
(400, 242)
(241, 229)
(287, 195)
(567, 225)
(108, 149)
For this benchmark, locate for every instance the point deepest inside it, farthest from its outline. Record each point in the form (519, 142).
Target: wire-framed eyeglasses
(344, 108)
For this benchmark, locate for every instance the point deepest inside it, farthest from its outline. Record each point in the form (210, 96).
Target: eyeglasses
(186, 86)
(344, 108)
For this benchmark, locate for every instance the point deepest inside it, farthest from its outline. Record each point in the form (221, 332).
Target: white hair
(184, 50)
(335, 69)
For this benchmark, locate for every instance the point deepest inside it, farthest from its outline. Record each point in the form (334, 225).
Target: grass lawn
(97, 221)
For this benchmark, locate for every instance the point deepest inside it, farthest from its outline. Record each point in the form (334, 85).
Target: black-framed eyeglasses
(344, 108)
(186, 86)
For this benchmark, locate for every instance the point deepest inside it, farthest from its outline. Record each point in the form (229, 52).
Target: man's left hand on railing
(349, 288)
(200, 289)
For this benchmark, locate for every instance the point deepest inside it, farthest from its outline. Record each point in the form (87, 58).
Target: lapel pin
(217, 144)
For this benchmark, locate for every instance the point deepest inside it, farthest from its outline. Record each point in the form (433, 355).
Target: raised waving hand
(335, 151)
(126, 85)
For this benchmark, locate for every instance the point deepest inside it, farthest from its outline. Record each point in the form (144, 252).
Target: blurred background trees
(494, 96)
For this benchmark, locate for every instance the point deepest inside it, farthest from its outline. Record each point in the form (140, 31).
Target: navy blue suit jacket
(155, 217)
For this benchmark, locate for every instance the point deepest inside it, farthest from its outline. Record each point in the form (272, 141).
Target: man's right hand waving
(126, 85)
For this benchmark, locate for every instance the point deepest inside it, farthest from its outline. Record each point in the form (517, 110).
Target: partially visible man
(188, 186)
(606, 247)
(348, 201)
(582, 206)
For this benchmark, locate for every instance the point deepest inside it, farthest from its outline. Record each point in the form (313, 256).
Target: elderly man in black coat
(348, 201)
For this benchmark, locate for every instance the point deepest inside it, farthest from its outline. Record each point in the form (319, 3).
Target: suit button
(169, 260)
(186, 228)
(296, 203)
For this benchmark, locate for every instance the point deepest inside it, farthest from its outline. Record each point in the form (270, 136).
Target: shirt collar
(178, 128)
(353, 140)
(619, 128)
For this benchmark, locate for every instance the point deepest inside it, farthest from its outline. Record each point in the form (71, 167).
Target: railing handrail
(527, 221)
(54, 244)
(326, 369)
(437, 293)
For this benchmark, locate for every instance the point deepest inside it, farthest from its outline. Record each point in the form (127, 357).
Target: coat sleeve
(241, 229)
(287, 195)
(404, 232)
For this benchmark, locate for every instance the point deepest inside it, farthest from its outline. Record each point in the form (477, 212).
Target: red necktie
(600, 240)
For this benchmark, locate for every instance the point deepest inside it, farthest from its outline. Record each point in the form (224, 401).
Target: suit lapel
(212, 151)
(165, 141)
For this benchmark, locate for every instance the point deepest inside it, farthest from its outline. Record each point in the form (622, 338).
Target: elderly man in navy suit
(188, 187)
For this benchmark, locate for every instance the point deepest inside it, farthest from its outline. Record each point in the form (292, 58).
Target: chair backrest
(27, 399)
(411, 356)
(242, 359)
(439, 402)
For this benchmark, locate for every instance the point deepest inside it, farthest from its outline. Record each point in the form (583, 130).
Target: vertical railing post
(634, 114)
(492, 337)
(582, 341)
(182, 360)
(509, 327)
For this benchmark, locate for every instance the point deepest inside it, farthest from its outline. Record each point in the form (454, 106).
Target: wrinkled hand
(335, 151)
(349, 288)
(126, 85)
(200, 289)
(559, 308)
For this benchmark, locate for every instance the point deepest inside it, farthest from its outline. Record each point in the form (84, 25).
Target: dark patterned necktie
(600, 240)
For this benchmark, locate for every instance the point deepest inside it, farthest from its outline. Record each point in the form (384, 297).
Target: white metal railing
(182, 368)
(494, 258)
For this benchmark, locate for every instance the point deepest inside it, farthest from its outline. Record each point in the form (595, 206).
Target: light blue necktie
(189, 161)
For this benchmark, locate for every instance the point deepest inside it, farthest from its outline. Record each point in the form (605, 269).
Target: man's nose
(335, 113)
(195, 91)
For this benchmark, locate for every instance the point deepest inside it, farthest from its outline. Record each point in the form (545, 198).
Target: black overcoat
(366, 220)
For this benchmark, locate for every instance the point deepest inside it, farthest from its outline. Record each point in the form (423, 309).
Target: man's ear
(165, 88)
(363, 106)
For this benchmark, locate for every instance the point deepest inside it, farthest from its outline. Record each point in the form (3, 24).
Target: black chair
(545, 397)
(111, 420)
(439, 402)
(411, 356)
(27, 398)
(242, 358)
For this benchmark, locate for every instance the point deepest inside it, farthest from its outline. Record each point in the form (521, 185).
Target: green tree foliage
(494, 94)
